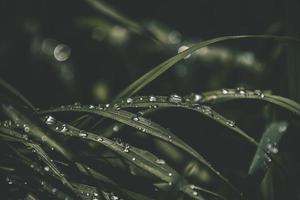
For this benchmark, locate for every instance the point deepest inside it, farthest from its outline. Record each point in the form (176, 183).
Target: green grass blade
(268, 145)
(143, 125)
(11, 92)
(165, 102)
(32, 126)
(160, 69)
(141, 158)
(238, 94)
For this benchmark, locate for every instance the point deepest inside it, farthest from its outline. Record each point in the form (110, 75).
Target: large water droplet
(174, 98)
(129, 100)
(50, 120)
(225, 91)
(82, 133)
(183, 48)
(160, 161)
(116, 128)
(152, 98)
(26, 128)
(46, 168)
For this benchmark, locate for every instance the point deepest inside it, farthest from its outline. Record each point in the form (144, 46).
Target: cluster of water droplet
(243, 92)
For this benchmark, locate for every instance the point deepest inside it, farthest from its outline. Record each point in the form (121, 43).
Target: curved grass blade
(236, 94)
(135, 27)
(32, 126)
(175, 101)
(138, 157)
(11, 91)
(141, 124)
(268, 146)
(160, 69)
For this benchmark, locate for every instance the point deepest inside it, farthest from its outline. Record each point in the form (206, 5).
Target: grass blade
(268, 145)
(160, 69)
(238, 94)
(141, 124)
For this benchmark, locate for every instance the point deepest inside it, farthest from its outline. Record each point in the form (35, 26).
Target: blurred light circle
(62, 52)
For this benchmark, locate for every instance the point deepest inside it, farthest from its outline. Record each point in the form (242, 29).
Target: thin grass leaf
(267, 147)
(11, 92)
(142, 124)
(175, 101)
(32, 126)
(41, 153)
(238, 94)
(160, 69)
(141, 158)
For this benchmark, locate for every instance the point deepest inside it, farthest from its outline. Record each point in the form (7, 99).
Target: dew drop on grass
(272, 148)
(282, 128)
(82, 133)
(160, 161)
(46, 168)
(174, 98)
(91, 106)
(183, 48)
(100, 139)
(152, 98)
(170, 174)
(225, 91)
(26, 128)
(116, 128)
(230, 123)
(197, 97)
(50, 120)
(135, 118)
(133, 159)
(64, 128)
(129, 100)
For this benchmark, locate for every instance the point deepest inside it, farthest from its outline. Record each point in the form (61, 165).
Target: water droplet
(195, 193)
(107, 105)
(50, 120)
(152, 98)
(197, 97)
(183, 48)
(259, 93)
(26, 128)
(126, 149)
(174, 98)
(46, 168)
(241, 90)
(170, 174)
(135, 118)
(129, 100)
(282, 128)
(272, 149)
(64, 128)
(116, 128)
(225, 91)
(160, 161)
(82, 133)
(91, 106)
(100, 139)
(230, 123)
(133, 159)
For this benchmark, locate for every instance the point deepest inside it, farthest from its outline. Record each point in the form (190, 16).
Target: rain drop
(160, 161)
(129, 100)
(152, 98)
(50, 120)
(174, 98)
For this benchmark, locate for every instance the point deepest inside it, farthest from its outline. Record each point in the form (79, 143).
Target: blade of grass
(160, 69)
(234, 94)
(141, 124)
